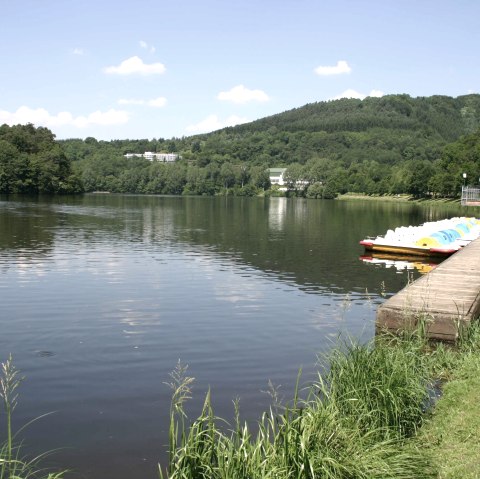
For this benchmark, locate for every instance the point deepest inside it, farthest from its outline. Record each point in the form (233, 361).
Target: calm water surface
(101, 295)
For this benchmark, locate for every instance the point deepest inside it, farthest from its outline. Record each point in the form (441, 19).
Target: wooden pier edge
(442, 302)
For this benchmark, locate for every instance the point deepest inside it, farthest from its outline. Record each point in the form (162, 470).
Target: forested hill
(388, 145)
(436, 115)
(389, 130)
(393, 144)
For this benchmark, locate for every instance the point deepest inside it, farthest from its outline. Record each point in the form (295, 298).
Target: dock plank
(445, 299)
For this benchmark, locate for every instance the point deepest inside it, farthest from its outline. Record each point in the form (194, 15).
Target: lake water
(101, 295)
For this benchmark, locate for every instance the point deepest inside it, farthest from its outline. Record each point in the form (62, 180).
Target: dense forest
(389, 145)
(31, 161)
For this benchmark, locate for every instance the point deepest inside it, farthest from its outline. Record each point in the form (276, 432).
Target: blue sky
(158, 69)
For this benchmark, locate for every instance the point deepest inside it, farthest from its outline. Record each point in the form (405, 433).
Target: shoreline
(393, 427)
(400, 199)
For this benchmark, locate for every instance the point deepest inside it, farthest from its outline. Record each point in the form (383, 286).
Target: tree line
(390, 145)
(31, 161)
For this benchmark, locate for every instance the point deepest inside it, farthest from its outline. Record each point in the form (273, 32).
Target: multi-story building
(151, 156)
(276, 176)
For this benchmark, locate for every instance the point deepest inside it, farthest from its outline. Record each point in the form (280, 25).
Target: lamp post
(464, 178)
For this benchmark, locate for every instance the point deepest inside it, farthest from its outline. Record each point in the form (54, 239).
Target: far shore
(399, 199)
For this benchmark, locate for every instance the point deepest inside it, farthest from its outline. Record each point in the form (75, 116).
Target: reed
(384, 385)
(9, 383)
(12, 464)
(353, 422)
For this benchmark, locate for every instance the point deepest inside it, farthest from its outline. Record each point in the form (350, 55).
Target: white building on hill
(151, 156)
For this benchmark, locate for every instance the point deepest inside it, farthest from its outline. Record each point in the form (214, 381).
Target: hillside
(393, 144)
(387, 129)
(443, 115)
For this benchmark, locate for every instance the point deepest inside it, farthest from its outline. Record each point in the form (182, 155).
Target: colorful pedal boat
(375, 246)
(440, 238)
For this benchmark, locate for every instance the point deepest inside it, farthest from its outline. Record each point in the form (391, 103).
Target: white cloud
(78, 51)
(350, 93)
(146, 46)
(240, 94)
(212, 122)
(110, 117)
(376, 93)
(135, 65)
(341, 67)
(130, 101)
(41, 117)
(155, 102)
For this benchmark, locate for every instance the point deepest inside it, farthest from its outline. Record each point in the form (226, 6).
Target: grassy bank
(452, 434)
(367, 416)
(400, 199)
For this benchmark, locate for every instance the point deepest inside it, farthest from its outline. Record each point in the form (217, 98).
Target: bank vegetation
(391, 145)
(371, 413)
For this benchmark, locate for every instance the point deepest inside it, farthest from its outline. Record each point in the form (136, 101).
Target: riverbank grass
(403, 198)
(355, 421)
(368, 415)
(452, 435)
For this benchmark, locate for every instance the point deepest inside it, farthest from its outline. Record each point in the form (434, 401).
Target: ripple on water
(45, 354)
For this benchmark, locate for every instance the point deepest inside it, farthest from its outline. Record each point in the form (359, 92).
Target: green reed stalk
(9, 382)
(352, 423)
(384, 386)
(12, 466)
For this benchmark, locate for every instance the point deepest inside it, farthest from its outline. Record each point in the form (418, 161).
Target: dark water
(102, 294)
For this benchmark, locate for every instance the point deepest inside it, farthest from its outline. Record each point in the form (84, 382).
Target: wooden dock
(443, 300)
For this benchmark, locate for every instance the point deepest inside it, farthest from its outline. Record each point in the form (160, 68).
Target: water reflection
(276, 213)
(102, 294)
(304, 242)
(402, 263)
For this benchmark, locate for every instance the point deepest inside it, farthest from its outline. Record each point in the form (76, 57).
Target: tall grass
(452, 433)
(385, 387)
(12, 464)
(353, 422)
(9, 383)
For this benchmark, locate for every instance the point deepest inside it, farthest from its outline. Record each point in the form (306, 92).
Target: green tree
(32, 162)
(295, 178)
(10, 159)
(260, 177)
(242, 174)
(315, 190)
(227, 175)
(421, 173)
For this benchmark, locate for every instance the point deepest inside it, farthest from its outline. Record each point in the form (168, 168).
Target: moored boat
(438, 238)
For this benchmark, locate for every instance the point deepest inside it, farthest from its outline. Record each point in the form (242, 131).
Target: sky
(116, 69)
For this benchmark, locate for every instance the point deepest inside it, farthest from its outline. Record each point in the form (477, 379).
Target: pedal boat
(439, 238)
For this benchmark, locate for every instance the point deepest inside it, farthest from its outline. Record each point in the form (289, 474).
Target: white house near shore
(276, 176)
(151, 156)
